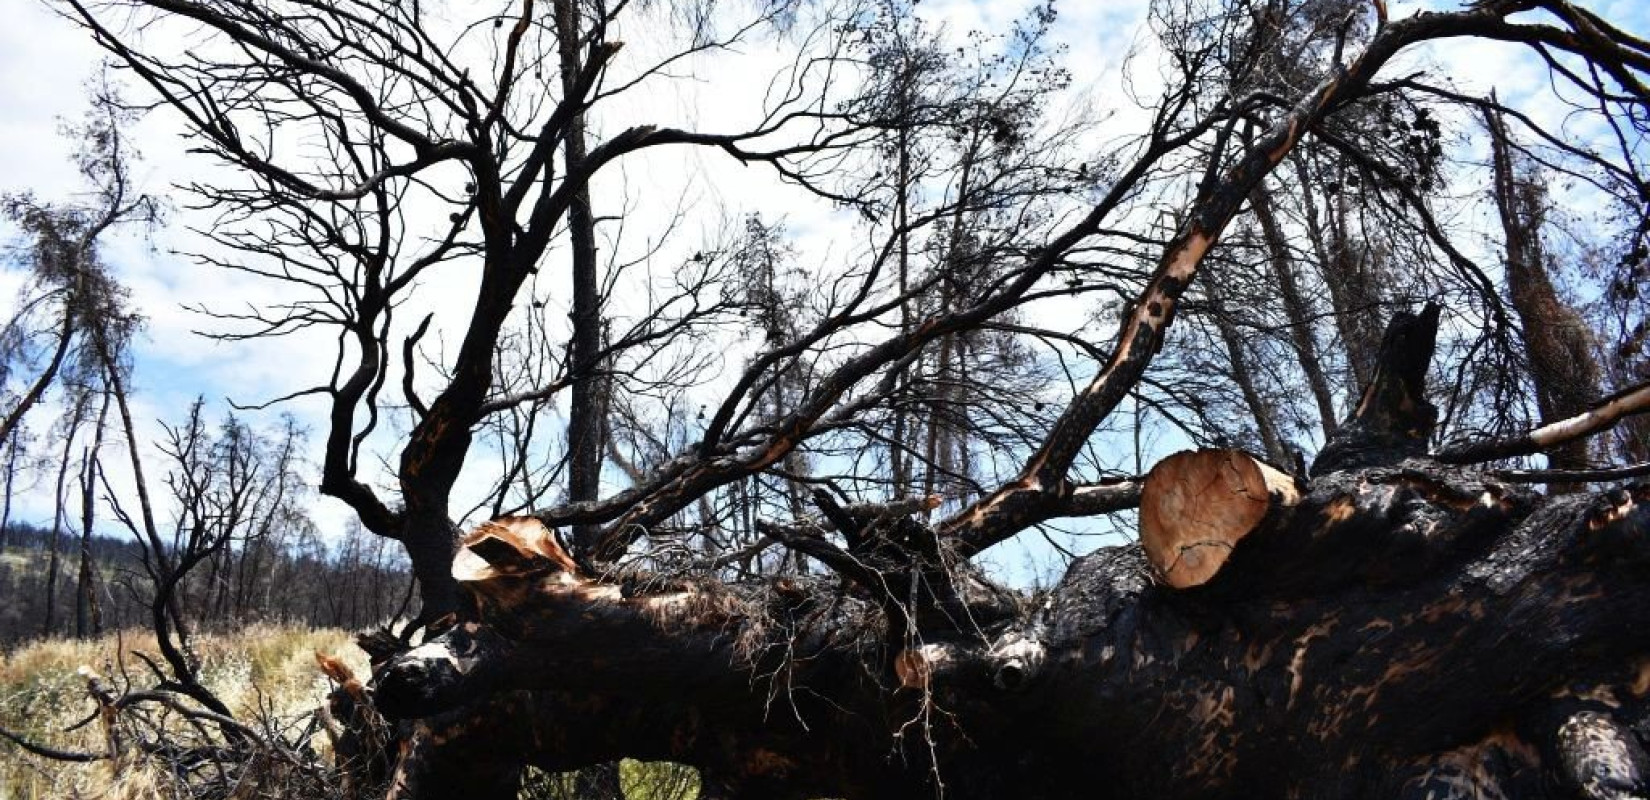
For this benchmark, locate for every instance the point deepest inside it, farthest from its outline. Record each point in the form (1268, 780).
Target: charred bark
(88, 616)
(1556, 340)
(1397, 627)
(586, 410)
(1393, 418)
(1382, 675)
(12, 446)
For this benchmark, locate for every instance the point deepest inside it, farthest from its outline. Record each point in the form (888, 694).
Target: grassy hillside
(260, 671)
(260, 668)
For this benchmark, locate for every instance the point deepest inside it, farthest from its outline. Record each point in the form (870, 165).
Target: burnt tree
(1280, 634)
(1392, 627)
(1562, 364)
(1339, 639)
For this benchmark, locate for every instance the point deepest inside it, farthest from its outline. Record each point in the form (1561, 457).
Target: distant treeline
(354, 582)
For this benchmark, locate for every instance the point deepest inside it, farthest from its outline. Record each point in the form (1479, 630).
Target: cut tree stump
(1196, 506)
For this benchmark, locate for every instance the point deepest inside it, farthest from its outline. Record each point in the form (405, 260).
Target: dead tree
(1561, 350)
(156, 710)
(67, 274)
(1273, 635)
(1331, 641)
(1347, 618)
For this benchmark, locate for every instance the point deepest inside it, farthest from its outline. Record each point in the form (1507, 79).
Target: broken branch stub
(1197, 505)
(510, 546)
(1393, 419)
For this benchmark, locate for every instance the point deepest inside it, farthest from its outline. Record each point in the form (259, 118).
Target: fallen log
(1395, 627)
(1459, 675)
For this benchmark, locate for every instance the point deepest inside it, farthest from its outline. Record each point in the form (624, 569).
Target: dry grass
(257, 671)
(262, 671)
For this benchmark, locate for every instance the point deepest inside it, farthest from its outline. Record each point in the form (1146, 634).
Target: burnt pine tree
(72, 317)
(1559, 346)
(1272, 634)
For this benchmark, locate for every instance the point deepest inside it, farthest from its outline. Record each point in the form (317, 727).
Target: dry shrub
(265, 673)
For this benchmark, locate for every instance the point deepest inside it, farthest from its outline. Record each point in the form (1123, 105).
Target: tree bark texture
(586, 409)
(1414, 632)
(1394, 627)
(1556, 339)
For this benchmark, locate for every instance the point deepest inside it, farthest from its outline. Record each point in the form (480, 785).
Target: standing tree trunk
(1243, 376)
(77, 414)
(168, 615)
(1295, 307)
(88, 617)
(899, 461)
(586, 413)
(1560, 349)
(12, 445)
(944, 436)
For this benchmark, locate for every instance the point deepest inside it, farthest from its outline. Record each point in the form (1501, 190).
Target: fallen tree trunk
(1456, 655)
(1394, 628)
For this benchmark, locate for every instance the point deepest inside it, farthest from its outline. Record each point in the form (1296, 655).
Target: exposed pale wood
(1602, 416)
(510, 545)
(1197, 505)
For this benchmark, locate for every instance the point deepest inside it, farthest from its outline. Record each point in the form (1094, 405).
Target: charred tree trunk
(1350, 639)
(1296, 306)
(88, 616)
(12, 445)
(898, 460)
(585, 422)
(1560, 349)
(77, 415)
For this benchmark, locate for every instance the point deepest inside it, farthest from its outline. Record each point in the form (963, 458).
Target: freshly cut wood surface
(1197, 505)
